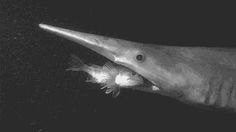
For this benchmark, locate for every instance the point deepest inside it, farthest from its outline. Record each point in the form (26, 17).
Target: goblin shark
(196, 75)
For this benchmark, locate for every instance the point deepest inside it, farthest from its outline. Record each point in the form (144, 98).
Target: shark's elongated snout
(119, 51)
(108, 47)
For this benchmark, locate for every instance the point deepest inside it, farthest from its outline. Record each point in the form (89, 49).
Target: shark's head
(135, 56)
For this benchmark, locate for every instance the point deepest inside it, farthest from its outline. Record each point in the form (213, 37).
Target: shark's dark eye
(140, 57)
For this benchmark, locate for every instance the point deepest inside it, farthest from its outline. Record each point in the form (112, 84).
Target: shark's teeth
(155, 88)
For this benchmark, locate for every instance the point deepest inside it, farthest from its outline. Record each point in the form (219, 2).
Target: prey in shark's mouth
(112, 77)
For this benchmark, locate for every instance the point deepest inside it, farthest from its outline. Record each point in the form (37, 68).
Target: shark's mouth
(146, 84)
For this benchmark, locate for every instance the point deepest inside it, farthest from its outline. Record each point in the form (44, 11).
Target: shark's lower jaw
(149, 85)
(146, 84)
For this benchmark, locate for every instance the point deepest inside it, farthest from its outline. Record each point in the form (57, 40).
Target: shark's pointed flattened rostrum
(200, 75)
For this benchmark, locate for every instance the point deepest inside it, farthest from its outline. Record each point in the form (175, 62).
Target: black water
(38, 95)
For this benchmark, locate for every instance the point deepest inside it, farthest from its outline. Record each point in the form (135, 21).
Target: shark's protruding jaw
(119, 51)
(108, 47)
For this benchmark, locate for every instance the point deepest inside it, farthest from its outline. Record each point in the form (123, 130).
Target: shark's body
(199, 75)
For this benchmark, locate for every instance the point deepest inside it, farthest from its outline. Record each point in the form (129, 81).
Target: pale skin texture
(200, 75)
(203, 75)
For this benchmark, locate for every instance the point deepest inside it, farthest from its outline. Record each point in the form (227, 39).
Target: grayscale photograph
(79, 65)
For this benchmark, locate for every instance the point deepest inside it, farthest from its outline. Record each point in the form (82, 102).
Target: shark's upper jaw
(111, 48)
(108, 47)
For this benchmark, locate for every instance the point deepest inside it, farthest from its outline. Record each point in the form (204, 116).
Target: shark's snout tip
(43, 26)
(51, 28)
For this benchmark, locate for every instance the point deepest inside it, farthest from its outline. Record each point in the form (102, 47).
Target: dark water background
(36, 94)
